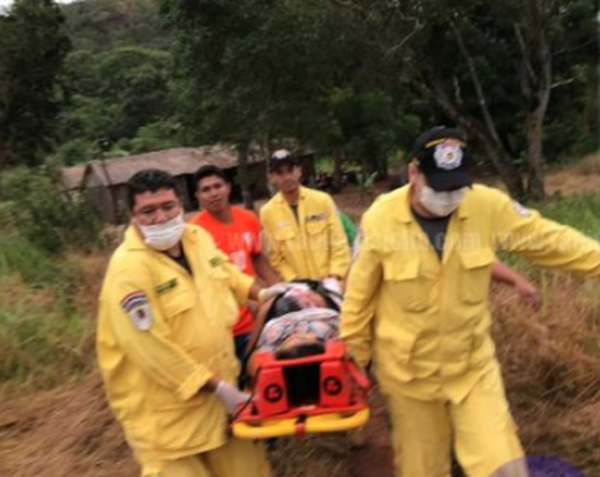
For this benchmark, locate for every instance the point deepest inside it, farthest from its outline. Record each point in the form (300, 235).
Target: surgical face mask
(441, 204)
(163, 236)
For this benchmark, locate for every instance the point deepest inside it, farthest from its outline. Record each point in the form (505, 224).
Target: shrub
(48, 217)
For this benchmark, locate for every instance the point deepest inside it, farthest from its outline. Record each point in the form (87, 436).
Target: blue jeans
(240, 346)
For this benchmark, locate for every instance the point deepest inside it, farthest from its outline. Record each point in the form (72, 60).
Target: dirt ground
(549, 359)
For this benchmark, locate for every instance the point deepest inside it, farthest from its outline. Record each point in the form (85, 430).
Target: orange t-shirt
(240, 240)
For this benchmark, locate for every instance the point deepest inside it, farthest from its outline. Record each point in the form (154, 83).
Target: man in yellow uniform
(164, 342)
(305, 235)
(416, 305)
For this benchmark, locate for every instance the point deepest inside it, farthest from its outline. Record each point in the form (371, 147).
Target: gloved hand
(277, 289)
(230, 396)
(332, 284)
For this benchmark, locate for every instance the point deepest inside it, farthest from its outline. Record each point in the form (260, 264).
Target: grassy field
(47, 309)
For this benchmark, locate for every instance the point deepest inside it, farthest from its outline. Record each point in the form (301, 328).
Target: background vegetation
(354, 79)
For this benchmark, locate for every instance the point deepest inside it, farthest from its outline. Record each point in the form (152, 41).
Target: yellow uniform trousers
(484, 434)
(237, 458)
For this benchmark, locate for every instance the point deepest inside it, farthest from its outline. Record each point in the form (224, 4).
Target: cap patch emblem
(448, 155)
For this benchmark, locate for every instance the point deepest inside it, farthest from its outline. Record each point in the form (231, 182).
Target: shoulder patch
(138, 309)
(521, 209)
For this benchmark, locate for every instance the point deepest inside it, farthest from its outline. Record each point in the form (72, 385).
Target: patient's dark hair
(300, 351)
(283, 305)
(302, 381)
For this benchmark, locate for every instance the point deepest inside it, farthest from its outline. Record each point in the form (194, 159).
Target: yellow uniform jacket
(313, 245)
(425, 323)
(162, 333)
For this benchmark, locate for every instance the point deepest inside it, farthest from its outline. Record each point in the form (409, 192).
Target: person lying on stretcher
(297, 324)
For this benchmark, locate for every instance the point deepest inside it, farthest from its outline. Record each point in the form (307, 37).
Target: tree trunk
(383, 170)
(336, 154)
(535, 177)
(2, 161)
(243, 175)
(535, 76)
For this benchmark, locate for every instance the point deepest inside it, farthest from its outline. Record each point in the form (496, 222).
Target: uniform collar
(281, 199)
(405, 214)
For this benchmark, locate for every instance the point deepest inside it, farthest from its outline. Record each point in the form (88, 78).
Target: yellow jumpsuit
(311, 246)
(162, 333)
(425, 324)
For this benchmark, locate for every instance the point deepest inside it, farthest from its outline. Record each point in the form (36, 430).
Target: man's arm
(264, 270)
(274, 254)
(543, 241)
(149, 345)
(527, 290)
(358, 307)
(340, 250)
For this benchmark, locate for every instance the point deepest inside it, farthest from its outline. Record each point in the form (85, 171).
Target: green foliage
(577, 211)
(18, 255)
(367, 126)
(253, 68)
(113, 95)
(46, 216)
(77, 151)
(152, 137)
(33, 45)
(42, 341)
(103, 25)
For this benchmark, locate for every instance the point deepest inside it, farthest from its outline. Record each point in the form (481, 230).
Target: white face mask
(441, 204)
(163, 236)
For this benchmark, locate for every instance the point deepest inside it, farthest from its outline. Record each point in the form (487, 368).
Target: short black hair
(149, 180)
(209, 170)
(283, 305)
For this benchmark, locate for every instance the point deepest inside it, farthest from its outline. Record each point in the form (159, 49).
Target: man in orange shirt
(236, 232)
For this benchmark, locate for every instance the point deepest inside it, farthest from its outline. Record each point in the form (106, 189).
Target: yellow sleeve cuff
(242, 286)
(190, 387)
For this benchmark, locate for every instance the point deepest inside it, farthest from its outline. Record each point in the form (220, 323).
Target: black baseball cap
(282, 156)
(441, 155)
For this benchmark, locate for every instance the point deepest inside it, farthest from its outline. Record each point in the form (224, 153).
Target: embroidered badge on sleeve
(521, 209)
(138, 309)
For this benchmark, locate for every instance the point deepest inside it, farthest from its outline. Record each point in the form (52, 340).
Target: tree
(258, 70)
(486, 64)
(33, 45)
(115, 95)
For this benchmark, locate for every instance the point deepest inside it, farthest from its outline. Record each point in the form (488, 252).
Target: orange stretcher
(342, 402)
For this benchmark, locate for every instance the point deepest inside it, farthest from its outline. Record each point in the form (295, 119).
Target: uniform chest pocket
(219, 299)
(316, 227)
(218, 278)
(403, 276)
(283, 234)
(476, 273)
(176, 302)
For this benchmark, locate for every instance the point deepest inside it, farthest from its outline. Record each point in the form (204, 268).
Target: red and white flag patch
(138, 309)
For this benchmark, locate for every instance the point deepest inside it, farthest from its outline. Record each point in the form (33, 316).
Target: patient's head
(295, 299)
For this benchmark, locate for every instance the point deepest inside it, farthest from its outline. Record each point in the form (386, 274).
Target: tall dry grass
(550, 363)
